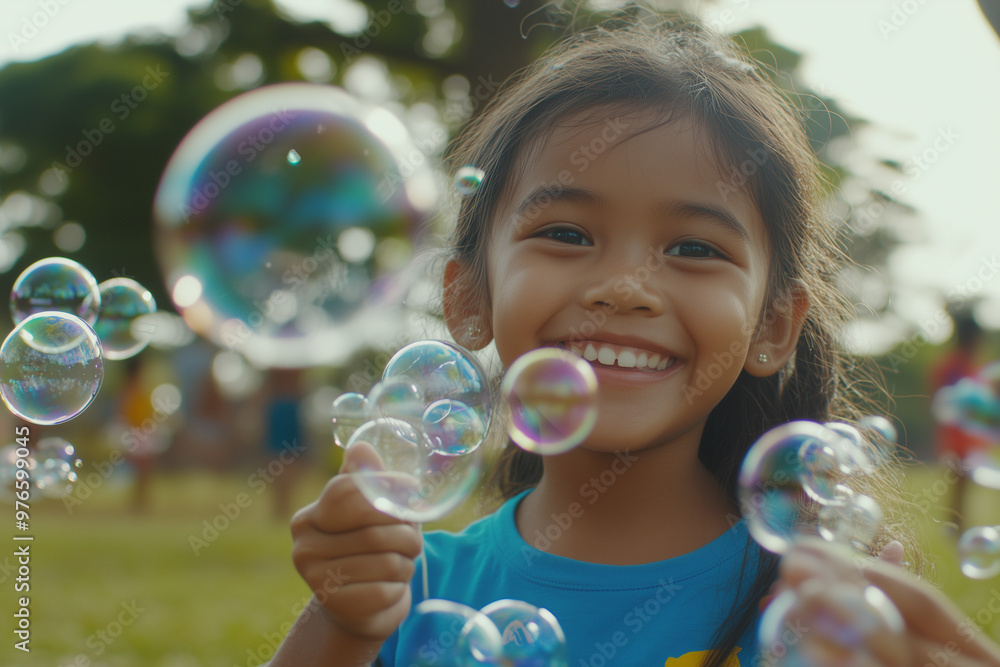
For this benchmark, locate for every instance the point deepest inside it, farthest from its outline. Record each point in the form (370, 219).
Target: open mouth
(620, 356)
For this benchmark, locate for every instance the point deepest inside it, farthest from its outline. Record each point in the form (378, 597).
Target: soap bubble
(51, 368)
(468, 179)
(532, 637)
(402, 476)
(824, 467)
(979, 552)
(772, 496)
(854, 519)
(122, 326)
(442, 632)
(880, 436)
(398, 397)
(552, 395)
(282, 219)
(453, 427)
(855, 449)
(443, 371)
(841, 626)
(350, 411)
(55, 284)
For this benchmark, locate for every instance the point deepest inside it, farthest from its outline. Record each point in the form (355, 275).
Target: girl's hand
(357, 560)
(936, 632)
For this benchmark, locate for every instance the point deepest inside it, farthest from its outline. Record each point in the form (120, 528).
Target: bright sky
(927, 72)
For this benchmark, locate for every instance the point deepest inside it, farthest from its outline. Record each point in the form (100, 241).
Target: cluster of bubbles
(972, 405)
(285, 220)
(796, 479)
(66, 325)
(52, 362)
(799, 479)
(52, 467)
(421, 427)
(424, 421)
(505, 632)
(552, 396)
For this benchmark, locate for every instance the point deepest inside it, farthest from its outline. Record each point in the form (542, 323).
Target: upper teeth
(623, 357)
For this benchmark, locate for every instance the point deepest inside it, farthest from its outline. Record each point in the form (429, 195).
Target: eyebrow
(547, 195)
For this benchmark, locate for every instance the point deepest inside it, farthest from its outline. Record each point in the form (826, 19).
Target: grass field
(112, 588)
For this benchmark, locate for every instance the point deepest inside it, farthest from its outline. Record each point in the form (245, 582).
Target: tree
(87, 132)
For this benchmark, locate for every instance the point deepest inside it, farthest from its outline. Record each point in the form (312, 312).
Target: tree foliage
(86, 133)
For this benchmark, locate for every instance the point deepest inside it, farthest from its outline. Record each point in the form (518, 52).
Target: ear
(465, 310)
(778, 334)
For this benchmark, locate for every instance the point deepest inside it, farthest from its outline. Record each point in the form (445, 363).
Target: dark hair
(681, 69)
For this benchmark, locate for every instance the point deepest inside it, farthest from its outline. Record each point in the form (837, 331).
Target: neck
(625, 508)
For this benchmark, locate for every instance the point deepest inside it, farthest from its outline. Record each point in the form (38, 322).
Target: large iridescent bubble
(51, 368)
(55, 283)
(552, 395)
(122, 324)
(284, 220)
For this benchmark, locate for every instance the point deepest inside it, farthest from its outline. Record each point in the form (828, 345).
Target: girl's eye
(695, 249)
(566, 235)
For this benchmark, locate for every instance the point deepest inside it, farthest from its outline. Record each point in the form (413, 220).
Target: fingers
(892, 553)
(361, 456)
(369, 554)
(926, 612)
(340, 507)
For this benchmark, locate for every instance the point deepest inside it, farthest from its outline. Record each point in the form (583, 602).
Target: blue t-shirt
(651, 614)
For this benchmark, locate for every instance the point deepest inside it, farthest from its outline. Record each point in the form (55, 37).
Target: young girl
(650, 204)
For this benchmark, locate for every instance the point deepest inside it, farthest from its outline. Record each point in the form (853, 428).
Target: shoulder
(477, 535)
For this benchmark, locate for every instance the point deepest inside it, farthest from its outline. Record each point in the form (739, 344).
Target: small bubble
(293, 157)
(552, 395)
(468, 179)
(979, 552)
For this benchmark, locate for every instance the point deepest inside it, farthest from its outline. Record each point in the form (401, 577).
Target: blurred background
(174, 548)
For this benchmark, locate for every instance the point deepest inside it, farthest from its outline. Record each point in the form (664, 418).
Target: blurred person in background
(284, 443)
(955, 445)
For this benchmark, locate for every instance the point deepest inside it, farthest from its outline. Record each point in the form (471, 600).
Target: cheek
(721, 314)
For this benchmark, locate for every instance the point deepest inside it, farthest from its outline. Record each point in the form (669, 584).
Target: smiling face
(621, 239)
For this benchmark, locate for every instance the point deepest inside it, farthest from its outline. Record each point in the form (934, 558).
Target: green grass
(228, 605)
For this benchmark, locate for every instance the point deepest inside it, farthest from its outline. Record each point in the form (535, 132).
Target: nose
(627, 284)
